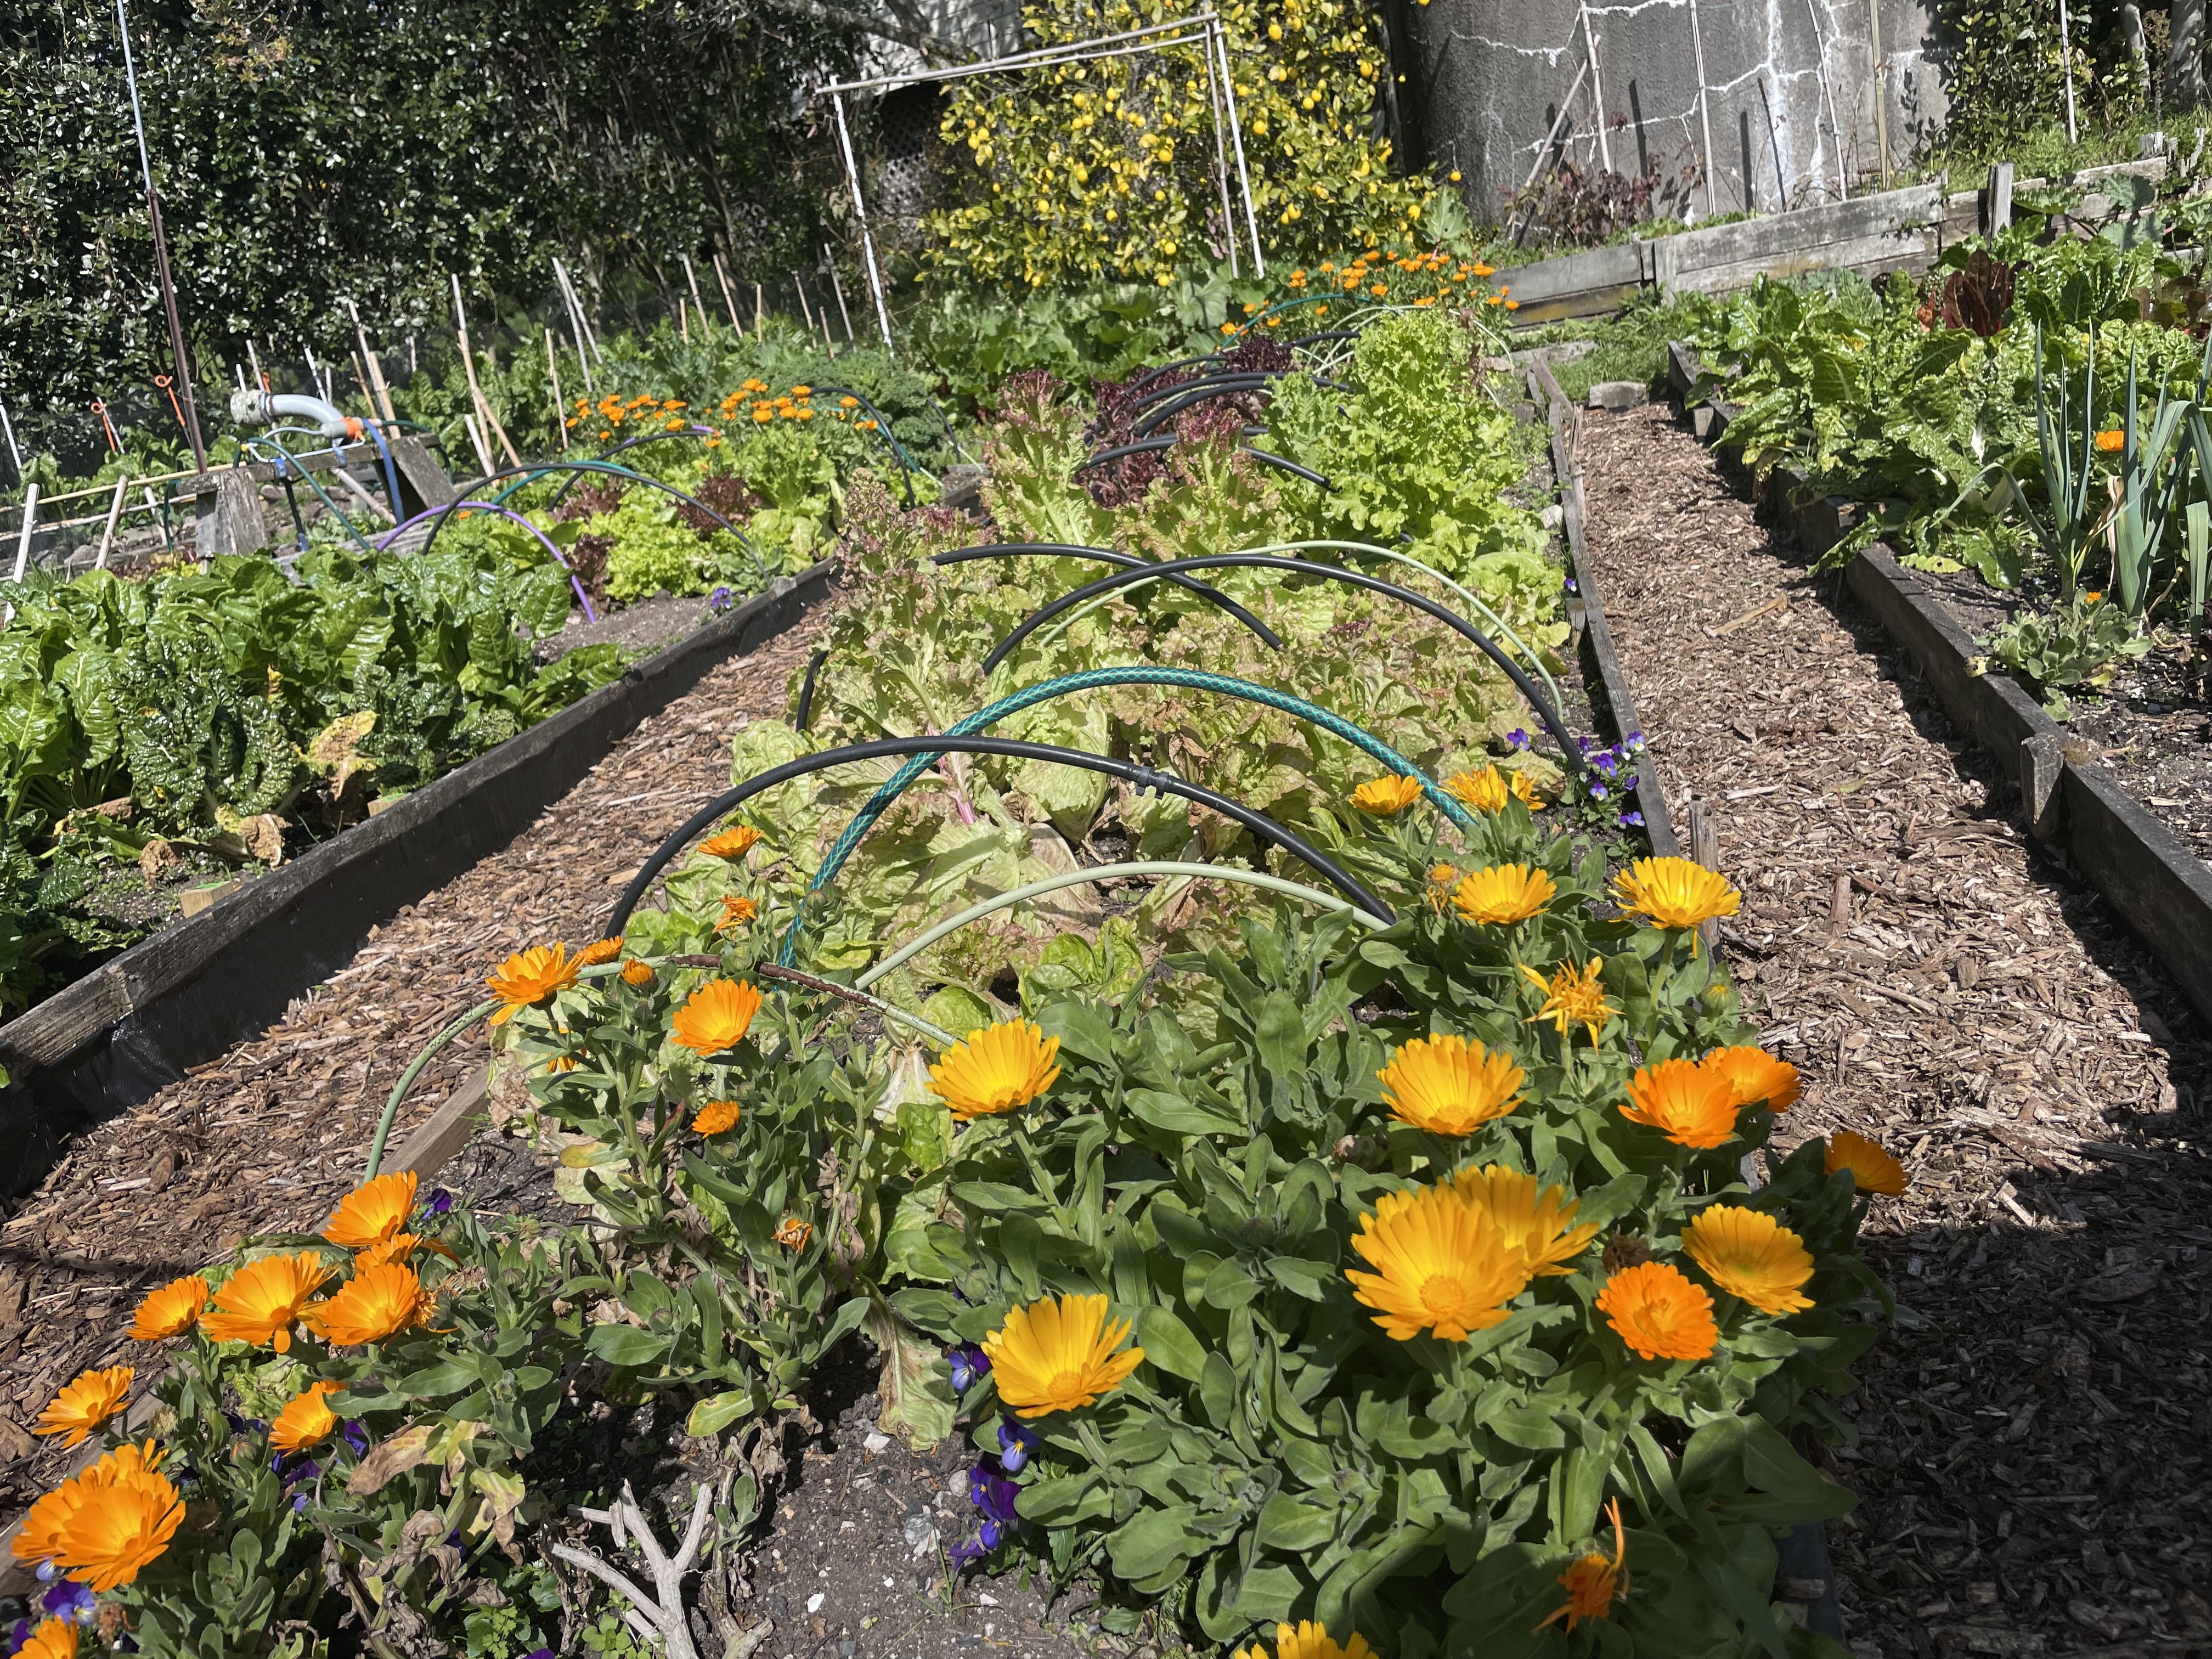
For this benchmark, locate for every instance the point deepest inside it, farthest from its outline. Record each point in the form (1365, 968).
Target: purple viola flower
(1633, 820)
(1633, 743)
(357, 1438)
(966, 1553)
(299, 1503)
(720, 600)
(1017, 1441)
(988, 1535)
(970, 1365)
(993, 1494)
(1599, 792)
(439, 1202)
(1571, 588)
(18, 1634)
(48, 1572)
(1517, 738)
(538, 1653)
(69, 1599)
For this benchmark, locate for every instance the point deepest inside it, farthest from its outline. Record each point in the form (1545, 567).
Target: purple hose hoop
(384, 542)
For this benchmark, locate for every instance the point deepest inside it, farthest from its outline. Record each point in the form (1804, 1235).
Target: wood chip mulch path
(2034, 1460)
(268, 1136)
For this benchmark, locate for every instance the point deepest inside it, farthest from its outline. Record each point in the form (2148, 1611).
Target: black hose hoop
(1143, 777)
(807, 690)
(1110, 555)
(1569, 749)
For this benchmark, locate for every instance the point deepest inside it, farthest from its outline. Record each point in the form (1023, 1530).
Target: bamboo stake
(692, 277)
(728, 298)
(838, 288)
(382, 402)
(2066, 66)
(1882, 78)
(804, 310)
(107, 535)
(682, 320)
(1835, 121)
(23, 544)
(1597, 91)
(476, 437)
(476, 392)
(560, 408)
(1704, 107)
(759, 317)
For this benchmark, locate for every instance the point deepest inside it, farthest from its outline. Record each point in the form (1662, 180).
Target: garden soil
(2033, 1454)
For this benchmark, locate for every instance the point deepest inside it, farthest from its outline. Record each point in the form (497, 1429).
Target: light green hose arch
(1273, 884)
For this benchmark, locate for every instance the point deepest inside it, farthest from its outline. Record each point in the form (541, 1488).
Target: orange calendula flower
(2110, 441)
(717, 1017)
(1657, 1311)
(1687, 1104)
(732, 845)
(1502, 893)
(637, 973)
(1488, 790)
(1752, 1256)
(259, 1302)
(592, 955)
(995, 1069)
(1387, 797)
(1309, 1641)
(530, 978)
(1442, 1265)
(104, 1526)
(398, 1248)
(377, 1302)
(1870, 1167)
(86, 1403)
(1755, 1076)
(1449, 1086)
(54, 1639)
(1572, 996)
(716, 1117)
(1590, 1580)
(737, 911)
(1537, 1221)
(792, 1233)
(1057, 1355)
(1674, 893)
(561, 1063)
(372, 1211)
(171, 1310)
(306, 1420)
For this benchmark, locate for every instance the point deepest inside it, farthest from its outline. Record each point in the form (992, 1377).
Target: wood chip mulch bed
(268, 1136)
(2034, 1460)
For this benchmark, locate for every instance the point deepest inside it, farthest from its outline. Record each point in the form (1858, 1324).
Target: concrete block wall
(1790, 93)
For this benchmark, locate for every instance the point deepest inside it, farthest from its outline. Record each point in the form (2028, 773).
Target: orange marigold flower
(306, 1420)
(377, 1302)
(259, 1302)
(530, 978)
(54, 1639)
(171, 1310)
(792, 1233)
(119, 1516)
(1657, 1311)
(717, 1017)
(732, 845)
(716, 1117)
(2110, 441)
(86, 1403)
(1590, 1580)
(372, 1211)
(1687, 1104)
(1870, 1167)
(1753, 1075)
(637, 973)
(592, 955)
(737, 911)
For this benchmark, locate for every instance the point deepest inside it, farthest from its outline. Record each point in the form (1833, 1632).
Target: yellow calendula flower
(259, 1302)
(372, 1211)
(84, 1404)
(1449, 1086)
(1442, 878)
(1502, 894)
(1752, 1256)
(530, 978)
(716, 1117)
(306, 1419)
(1590, 1580)
(1572, 996)
(1687, 1104)
(171, 1310)
(1536, 1220)
(737, 911)
(54, 1639)
(996, 1069)
(1657, 1311)
(1871, 1168)
(732, 845)
(1387, 797)
(1442, 1265)
(1308, 1640)
(1753, 1076)
(717, 1017)
(1057, 1355)
(377, 1302)
(1674, 893)
(1488, 790)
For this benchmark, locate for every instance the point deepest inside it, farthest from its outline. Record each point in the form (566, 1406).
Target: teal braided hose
(1190, 679)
